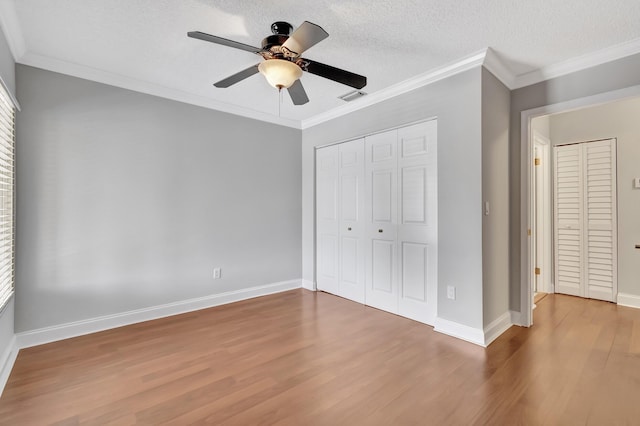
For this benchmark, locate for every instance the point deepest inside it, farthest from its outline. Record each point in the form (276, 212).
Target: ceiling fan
(283, 65)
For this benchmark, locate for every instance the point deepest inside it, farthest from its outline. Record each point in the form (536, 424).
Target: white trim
(405, 86)
(579, 63)
(629, 300)
(498, 68)
(516, 318)
(10, 26)
(7, 360)
(112, 79)
(497, 327)
(93, 325)
(460, 331)
(309, 285)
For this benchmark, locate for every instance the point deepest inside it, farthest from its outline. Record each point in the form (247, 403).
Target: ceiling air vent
(352, 96)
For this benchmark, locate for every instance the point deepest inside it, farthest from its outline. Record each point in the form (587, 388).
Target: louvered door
(585, 220)
(600, 220)
(568, 219)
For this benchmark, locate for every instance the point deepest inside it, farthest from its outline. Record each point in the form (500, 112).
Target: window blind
(7, 145)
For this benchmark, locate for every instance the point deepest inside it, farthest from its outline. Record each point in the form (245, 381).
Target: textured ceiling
(388, 41)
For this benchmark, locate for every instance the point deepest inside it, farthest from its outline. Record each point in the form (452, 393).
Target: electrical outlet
(217, 273)
(451, 292)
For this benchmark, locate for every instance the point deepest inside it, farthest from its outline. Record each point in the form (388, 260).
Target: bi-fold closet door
(339, 219)
(393, 217)
(585, 210)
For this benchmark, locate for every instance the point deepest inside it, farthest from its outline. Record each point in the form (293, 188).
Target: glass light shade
(280, 73)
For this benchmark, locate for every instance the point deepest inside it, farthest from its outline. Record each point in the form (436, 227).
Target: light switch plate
(636, 183)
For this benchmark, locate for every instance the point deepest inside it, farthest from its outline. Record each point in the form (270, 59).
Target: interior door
(381, 270)
(351, 226)
(417, 225)
(327, 222)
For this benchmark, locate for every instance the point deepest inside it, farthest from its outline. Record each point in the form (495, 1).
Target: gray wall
(495, 180)
(600, 79)
(618, 120)
(127, 201)
(456, 103)
(7, 74)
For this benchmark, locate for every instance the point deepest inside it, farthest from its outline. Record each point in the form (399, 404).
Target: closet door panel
(327, 224)
(600, 211)
(417, 229)
(351, 218)
(381, 257)
(568, 215)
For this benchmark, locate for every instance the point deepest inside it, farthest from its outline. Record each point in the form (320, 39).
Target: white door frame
(526, 194)
(544, 193)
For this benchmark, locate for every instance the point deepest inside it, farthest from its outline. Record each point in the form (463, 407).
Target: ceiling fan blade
(336, 74)
(223, 41)
(237, 77)
(298, 94)
(305, 36)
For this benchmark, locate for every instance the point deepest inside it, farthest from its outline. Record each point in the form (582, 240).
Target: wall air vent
(352, 95)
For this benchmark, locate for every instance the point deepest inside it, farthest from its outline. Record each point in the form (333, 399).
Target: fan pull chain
(279, 101)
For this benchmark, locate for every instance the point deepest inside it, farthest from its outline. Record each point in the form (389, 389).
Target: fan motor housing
(274, 40)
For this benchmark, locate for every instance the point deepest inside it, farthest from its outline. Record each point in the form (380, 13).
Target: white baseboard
(309, 285)
(8, 359)
(516, 318)
(460, 331)
(73, 329)
(629, 300)
(497, 327)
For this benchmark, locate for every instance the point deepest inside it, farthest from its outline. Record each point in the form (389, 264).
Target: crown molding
(578, 63)
(112, 79)
(10, 26)
(499, 69)
(405, 86)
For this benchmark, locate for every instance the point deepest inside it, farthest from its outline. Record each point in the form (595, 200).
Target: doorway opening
(603, 131)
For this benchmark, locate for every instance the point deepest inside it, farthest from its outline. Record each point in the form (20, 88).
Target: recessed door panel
(328, 193)
(414, 271)
(382, 195)
(382, 265)
(328, 248)
(349, 260)
(349, 198)
(414, 184)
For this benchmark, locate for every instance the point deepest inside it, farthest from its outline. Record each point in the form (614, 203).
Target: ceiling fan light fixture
(280, 73)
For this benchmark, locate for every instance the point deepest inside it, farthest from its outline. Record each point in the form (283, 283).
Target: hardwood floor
(304, 358)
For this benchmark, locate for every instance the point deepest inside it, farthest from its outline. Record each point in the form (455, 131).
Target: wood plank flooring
(303, 358)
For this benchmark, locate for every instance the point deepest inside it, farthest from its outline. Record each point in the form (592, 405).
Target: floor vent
(352, 95)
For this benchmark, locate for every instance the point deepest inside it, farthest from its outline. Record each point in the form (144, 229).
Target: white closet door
(600, 221)
(568, 219)
(327, 222)
(381, 264)
(585, 216)
(417, 224)
(351, 228)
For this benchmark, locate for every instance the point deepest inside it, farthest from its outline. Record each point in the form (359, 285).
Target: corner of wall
(7, 360)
